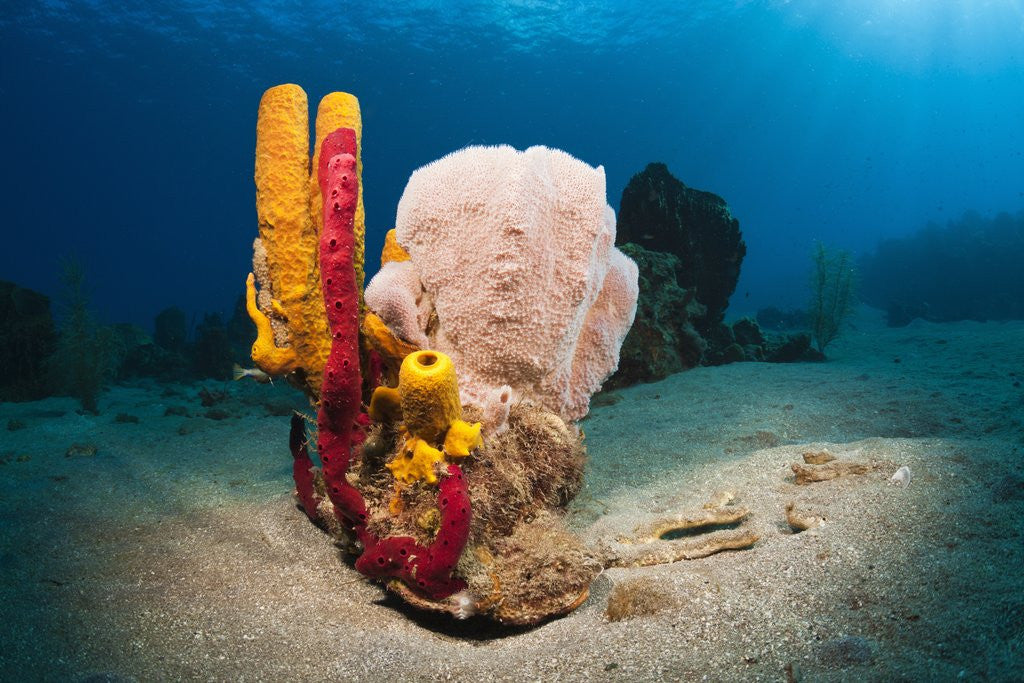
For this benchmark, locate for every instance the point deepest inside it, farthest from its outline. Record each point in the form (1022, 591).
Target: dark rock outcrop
(145, 358)
(171, 330)
(211, 353)
(659, 213)
(661, 341)
(689, 250)
(967, 269)
(744, 340)
(27, 338)
(792, 348)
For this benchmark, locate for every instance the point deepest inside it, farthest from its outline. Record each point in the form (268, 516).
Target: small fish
(255, 373)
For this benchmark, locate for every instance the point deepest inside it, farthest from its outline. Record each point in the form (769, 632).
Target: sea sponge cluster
(513, 273)
(288, 310)
(501, 301)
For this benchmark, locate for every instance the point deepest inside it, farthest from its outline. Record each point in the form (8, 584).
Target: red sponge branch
(338, 420)
(302, 468)
(427, 570)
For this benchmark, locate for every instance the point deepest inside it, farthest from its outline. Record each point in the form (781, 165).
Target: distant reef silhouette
(77, 356)
(968, 269)
(27, 337)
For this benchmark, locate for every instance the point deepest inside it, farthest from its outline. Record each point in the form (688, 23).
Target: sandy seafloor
(175, 552)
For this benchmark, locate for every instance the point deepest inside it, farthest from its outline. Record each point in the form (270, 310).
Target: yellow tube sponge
(282, 176)
(430, 394)
(287, 232)
(288, 205)
(415, 462)
(271, 359)
(462, 438)
(340, 110)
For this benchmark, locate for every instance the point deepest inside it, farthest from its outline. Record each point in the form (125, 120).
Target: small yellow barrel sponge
(430, 394)
(288, 206)
(427, 403)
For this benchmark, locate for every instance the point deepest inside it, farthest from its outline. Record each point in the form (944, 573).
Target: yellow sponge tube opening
(430, 394)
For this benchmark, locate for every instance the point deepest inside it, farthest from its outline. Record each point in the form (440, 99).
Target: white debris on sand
(901, 477)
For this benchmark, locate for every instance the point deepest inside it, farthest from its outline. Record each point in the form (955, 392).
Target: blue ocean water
(154, 538)
(130, 126)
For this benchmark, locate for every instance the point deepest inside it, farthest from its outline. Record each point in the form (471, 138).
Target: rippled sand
(174, 551)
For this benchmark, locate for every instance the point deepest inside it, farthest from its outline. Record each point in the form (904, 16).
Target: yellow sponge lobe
(392, 250)
(462, 438)
(270, 358)
(416, 462)
(385, 405)
(392, 349)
